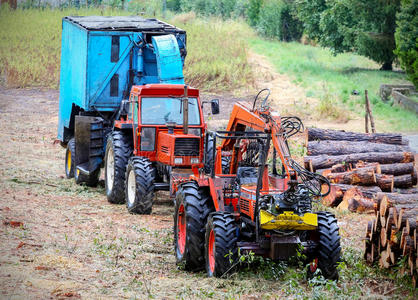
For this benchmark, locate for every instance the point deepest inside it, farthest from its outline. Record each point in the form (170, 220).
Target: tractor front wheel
(193, 206)
(221, 243)
(70, 158)
(328, 251)
(118, 151)
(140, 177)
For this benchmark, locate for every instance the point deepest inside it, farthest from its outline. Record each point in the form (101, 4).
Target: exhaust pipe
(185, 111)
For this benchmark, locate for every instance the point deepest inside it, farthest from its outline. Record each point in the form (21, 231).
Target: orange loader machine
(251, 196)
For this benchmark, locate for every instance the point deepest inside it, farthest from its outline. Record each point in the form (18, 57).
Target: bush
(253, 11)
(406, 37)
(276, 21)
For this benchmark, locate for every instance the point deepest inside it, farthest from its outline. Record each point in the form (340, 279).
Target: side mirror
(124, 108)
(215, 106)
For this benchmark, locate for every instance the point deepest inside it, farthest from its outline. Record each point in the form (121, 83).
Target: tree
(406, 37)
(364, 26)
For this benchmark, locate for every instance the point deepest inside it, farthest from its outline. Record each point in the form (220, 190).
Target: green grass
(324, 75)
(30, 45)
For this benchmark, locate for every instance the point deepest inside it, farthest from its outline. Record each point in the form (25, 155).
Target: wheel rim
(131, 188)
(181, 229)
(313, 265)
(68, 161)
(110, 169)
(211, 251)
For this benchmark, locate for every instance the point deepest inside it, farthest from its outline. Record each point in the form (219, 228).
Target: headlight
(194, 160)
(178, 161)
(195, 131)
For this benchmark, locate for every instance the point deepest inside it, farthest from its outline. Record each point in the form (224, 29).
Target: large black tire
(140, 179)
(90, 180)
(118, 151)
(70, 158)
(209, 154)
(328, 252)
(193, 206)
(221, 250)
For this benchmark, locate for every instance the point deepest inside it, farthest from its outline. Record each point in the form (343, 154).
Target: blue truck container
(102, 57)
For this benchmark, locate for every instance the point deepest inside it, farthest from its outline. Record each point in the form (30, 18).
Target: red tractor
(254, 197)
(157, 142)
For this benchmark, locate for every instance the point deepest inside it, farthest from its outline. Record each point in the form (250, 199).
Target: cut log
(363, 176)
(383, 237)
(403, 215)
(327, 134)
(397, 169)
(385, 182)
(402, 181)
(398, 198)
(414, 177)
(407, 191)
(411, 225)
(336, 194)
(339, 147)
(354, 201)
(325, 161)
(374, 165)
(384, 261)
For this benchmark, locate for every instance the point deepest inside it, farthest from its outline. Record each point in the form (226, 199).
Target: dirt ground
(61, 240)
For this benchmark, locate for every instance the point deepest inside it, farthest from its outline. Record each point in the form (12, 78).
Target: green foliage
(366, 27)
(223, 8)
(275, 20)
(407, 38)
(253, 11)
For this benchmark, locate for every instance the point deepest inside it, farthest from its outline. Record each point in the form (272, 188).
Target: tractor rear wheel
(328, 252)
(118, 151)
(193, 206)
(70, 158)
(90, 180)
(140, 178)
(221, 243)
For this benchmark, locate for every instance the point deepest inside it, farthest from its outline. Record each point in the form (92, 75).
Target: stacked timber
(360, 165)
(391, 238)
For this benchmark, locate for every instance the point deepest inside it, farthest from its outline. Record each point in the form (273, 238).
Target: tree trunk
(357, 177)
(385, 182)
(335, 135)
(354, 201)
(408, 191)
(397, 169)
(348, 147)
(403, 181)
(325, 161)
(337, 191)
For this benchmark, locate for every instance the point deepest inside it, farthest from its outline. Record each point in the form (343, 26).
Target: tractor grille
(187, 147)
(164, 149)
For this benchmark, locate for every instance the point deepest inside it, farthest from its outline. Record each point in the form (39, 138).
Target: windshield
(159, 111)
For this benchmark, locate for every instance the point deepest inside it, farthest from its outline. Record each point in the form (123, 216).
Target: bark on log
(407, 191)
(385, 182)
(348, 147)
(402, 181)
(354, 201)
(397, 169)
(374, 165)
(363, 176)
(327, 134)
(325, 161)
(395, 198)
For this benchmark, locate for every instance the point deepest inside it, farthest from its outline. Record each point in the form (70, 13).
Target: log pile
(392, 236)
(359, 166)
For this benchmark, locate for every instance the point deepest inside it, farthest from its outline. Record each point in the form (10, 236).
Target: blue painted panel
(87, 68)
(100, 66)
(169, 62)
(72, 73)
